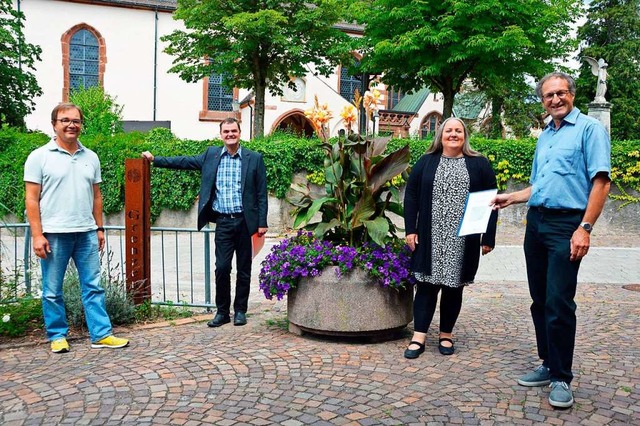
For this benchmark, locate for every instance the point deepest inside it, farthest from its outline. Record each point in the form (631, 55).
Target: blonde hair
(436, 145)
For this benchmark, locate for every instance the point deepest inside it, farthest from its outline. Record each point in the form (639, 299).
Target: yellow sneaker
(60, 346)
(112, 342)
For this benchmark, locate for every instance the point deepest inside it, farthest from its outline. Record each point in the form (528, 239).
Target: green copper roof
(468, 105)
(412, 101)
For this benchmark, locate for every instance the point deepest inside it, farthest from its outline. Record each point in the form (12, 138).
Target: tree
(612, 32)
(18, 85)
(441, 43)
(257, 45)
(102, 115)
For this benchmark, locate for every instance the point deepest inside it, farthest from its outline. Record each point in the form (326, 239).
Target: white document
(477, 211)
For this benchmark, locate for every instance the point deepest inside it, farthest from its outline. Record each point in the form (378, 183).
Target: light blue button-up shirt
(566, 161)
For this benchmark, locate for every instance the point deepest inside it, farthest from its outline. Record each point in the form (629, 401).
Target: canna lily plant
(358, 181)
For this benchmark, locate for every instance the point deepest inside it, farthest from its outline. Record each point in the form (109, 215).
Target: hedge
(284, 155)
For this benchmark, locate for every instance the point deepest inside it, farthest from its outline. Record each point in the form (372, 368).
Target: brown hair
(64, 107)
(230, 120)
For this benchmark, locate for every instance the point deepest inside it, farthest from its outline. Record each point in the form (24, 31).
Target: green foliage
(285, 155)
(414, 44)
(281, 322)
(147, 312)
(257, 45)
(612, 32)
(19, 313)
(15, 146)
(18, 84)
(119, 304)
(20, 316)
(102, 115)
(357, 178)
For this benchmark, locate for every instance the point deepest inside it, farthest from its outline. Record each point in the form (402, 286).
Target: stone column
(601, 111)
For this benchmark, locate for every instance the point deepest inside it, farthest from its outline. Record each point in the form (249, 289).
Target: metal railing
(180, 262)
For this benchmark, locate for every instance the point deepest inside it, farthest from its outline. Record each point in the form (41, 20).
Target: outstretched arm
(501, 201)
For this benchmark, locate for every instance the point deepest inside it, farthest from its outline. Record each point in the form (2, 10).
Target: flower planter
(352, 305)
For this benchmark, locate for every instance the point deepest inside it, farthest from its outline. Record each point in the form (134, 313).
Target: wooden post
(137, 207)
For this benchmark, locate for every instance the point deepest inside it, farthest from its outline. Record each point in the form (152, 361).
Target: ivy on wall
(284, 155)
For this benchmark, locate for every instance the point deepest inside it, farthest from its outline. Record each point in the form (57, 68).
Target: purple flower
(304, 255)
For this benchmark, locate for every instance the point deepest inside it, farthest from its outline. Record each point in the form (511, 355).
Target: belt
(545, 210)
(229, 215)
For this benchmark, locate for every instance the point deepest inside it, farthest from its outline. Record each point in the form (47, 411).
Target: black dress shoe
(239, 318)
(219, 320)
(446, 350)
(414, 353)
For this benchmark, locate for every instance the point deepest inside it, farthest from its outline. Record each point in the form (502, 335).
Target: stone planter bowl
(352, 305)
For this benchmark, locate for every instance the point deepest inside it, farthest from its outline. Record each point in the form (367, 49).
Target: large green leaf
(391, 166)
(333, 173)
(379, 145)
(304, 216)
(300, 195)
(363, 210)
(378, 229)
(323, 227)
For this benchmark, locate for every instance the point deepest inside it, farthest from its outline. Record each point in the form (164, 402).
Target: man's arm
(581, 239)
(189, 162)
(501, 201)
(32, 203)
(97, 213)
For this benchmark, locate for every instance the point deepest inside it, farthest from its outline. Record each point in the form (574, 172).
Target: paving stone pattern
(260, 374)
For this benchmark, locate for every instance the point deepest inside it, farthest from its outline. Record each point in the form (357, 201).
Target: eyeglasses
(66, 121)
(561, 94)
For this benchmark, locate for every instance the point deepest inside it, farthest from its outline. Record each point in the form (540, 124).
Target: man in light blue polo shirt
(570, 181)
(64, 208)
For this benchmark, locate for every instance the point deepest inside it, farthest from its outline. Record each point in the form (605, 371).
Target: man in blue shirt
(570, 181)
(233, 194)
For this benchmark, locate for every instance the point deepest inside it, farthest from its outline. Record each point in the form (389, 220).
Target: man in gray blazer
(233, 194)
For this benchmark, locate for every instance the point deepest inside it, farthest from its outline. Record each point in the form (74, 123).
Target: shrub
(102, 115)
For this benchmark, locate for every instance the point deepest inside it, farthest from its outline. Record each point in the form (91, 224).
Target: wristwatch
(586, 226)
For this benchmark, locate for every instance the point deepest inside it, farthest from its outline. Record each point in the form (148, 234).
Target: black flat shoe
(444, 350)
(414, 353)
(219, 320)
(239, 318)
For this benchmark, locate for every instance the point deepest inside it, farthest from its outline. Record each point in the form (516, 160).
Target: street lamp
(235, 106)
(375, 117)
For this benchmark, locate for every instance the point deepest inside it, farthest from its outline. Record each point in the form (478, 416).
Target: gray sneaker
(538, 377)
(561, 395)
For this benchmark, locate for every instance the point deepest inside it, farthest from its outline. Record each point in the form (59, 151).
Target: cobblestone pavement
(188, 374)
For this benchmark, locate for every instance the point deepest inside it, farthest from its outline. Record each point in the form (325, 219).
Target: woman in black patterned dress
(433, 207)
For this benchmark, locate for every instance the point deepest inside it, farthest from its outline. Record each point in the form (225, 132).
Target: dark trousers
(231, 237)
(553, 280)
(424, 306)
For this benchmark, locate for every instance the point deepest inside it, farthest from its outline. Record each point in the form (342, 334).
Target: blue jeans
(553, 279)
(82, 247)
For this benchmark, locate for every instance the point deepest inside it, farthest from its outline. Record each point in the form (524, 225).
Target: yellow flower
(349, 116)
(319, 116)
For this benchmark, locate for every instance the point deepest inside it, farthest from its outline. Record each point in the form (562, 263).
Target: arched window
(430, 124)
(394, 96)
(350, 82)
(219, 97)
(83, 58)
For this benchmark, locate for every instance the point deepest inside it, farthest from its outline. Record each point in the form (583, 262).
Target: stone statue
(599, 69)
